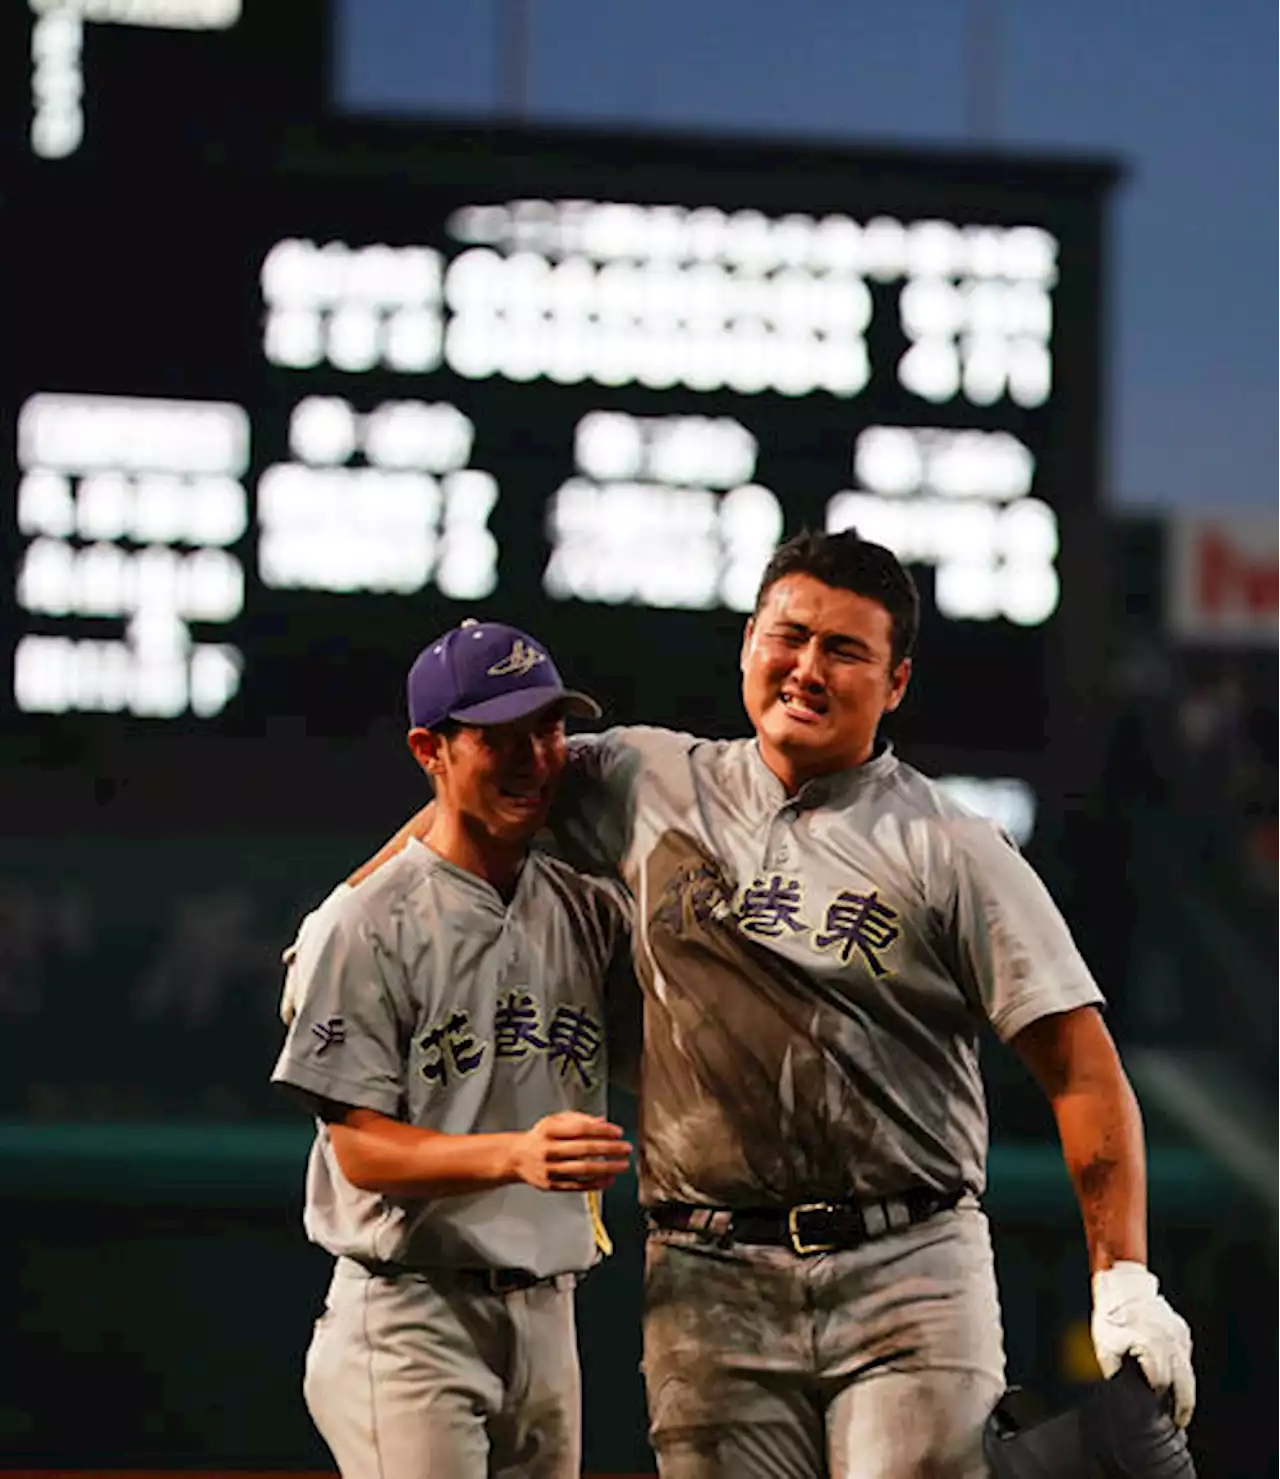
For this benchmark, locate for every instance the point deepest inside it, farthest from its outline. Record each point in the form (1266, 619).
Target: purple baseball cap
(484, 672)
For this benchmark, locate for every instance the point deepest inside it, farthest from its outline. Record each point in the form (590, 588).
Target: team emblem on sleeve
(332, 1033)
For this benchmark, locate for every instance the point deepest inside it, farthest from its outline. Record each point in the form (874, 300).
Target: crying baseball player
(448, 1034)
(821, 935)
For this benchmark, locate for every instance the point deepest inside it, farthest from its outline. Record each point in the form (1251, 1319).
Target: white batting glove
(1132, 1318)
(289, 957)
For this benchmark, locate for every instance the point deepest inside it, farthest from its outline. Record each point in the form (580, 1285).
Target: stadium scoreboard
(274, 415)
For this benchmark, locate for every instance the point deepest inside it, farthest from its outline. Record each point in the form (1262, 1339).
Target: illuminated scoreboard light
(620, 294)
(57, 45)
(413, 511)
(661, 513)
(353, 308)
(960, 502)
(128, 507)
(666, 297)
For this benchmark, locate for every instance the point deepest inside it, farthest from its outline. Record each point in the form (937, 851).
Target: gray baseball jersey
(425, 999)
(816, 968)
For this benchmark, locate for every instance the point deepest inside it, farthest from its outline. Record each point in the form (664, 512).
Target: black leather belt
(502, 1280)
(476, 1280)
(808, 1227)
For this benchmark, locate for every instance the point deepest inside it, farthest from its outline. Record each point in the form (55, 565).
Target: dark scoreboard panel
(273, 418)
(283, 396)
(340, 411)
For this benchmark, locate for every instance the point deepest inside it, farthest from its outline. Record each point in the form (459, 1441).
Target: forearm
(405, 1161)
(1100, 1127)
(417, 826)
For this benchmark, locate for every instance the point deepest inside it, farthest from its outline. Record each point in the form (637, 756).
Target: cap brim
(526, 701)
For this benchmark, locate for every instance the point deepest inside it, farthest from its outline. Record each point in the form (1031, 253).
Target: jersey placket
(781, 849)
(771, 902)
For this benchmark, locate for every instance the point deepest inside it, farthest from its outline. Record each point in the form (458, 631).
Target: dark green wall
(157, 1295)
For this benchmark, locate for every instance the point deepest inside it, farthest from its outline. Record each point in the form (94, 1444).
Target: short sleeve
(1014, 952)
(592, 820)
(344, 1043)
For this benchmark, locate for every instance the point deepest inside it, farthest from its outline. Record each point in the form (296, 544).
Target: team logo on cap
(521, 659)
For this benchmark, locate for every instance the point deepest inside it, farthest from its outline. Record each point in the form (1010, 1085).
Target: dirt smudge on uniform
(727, 1022)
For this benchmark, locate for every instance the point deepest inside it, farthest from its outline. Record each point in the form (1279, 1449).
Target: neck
(793, 771)
(458, 840)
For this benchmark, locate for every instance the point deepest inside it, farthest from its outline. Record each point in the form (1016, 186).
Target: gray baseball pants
(879, 1362)
(422, 1377)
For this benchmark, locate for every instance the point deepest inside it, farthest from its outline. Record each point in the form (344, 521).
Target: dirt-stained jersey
(816, 969)
(425, 998)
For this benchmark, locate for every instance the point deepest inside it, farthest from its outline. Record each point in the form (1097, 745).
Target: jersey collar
(834, 790)
(478, 889)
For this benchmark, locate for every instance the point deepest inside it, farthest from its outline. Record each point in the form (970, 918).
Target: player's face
(817, 675)
(501, 778)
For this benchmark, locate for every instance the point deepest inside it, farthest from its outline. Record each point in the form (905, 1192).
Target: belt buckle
(793, 1230)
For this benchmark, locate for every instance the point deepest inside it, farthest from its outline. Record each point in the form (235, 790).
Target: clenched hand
(571, 1151)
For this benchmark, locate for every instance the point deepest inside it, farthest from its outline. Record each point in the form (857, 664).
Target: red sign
(1222, 578)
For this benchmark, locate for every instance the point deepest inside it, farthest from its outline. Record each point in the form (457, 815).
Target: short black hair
(851, 563)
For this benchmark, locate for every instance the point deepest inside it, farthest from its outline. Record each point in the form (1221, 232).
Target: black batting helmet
(1118, 1430)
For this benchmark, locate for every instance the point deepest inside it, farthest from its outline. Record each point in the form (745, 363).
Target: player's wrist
(509, 1158)
(1123, 1282)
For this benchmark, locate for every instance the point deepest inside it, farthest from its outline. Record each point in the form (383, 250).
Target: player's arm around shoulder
(414, 830)
(595, 801)
(587, 761)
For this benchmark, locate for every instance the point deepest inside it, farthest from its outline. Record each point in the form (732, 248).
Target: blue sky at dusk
(1179, 92)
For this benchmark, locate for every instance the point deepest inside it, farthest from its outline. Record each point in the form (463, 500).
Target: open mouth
(803, 707)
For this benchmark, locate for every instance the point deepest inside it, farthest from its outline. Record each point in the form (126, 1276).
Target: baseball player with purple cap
(447, 1031)
(822, 934)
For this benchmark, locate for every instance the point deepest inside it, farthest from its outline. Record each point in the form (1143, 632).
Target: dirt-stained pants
(881, 1362)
